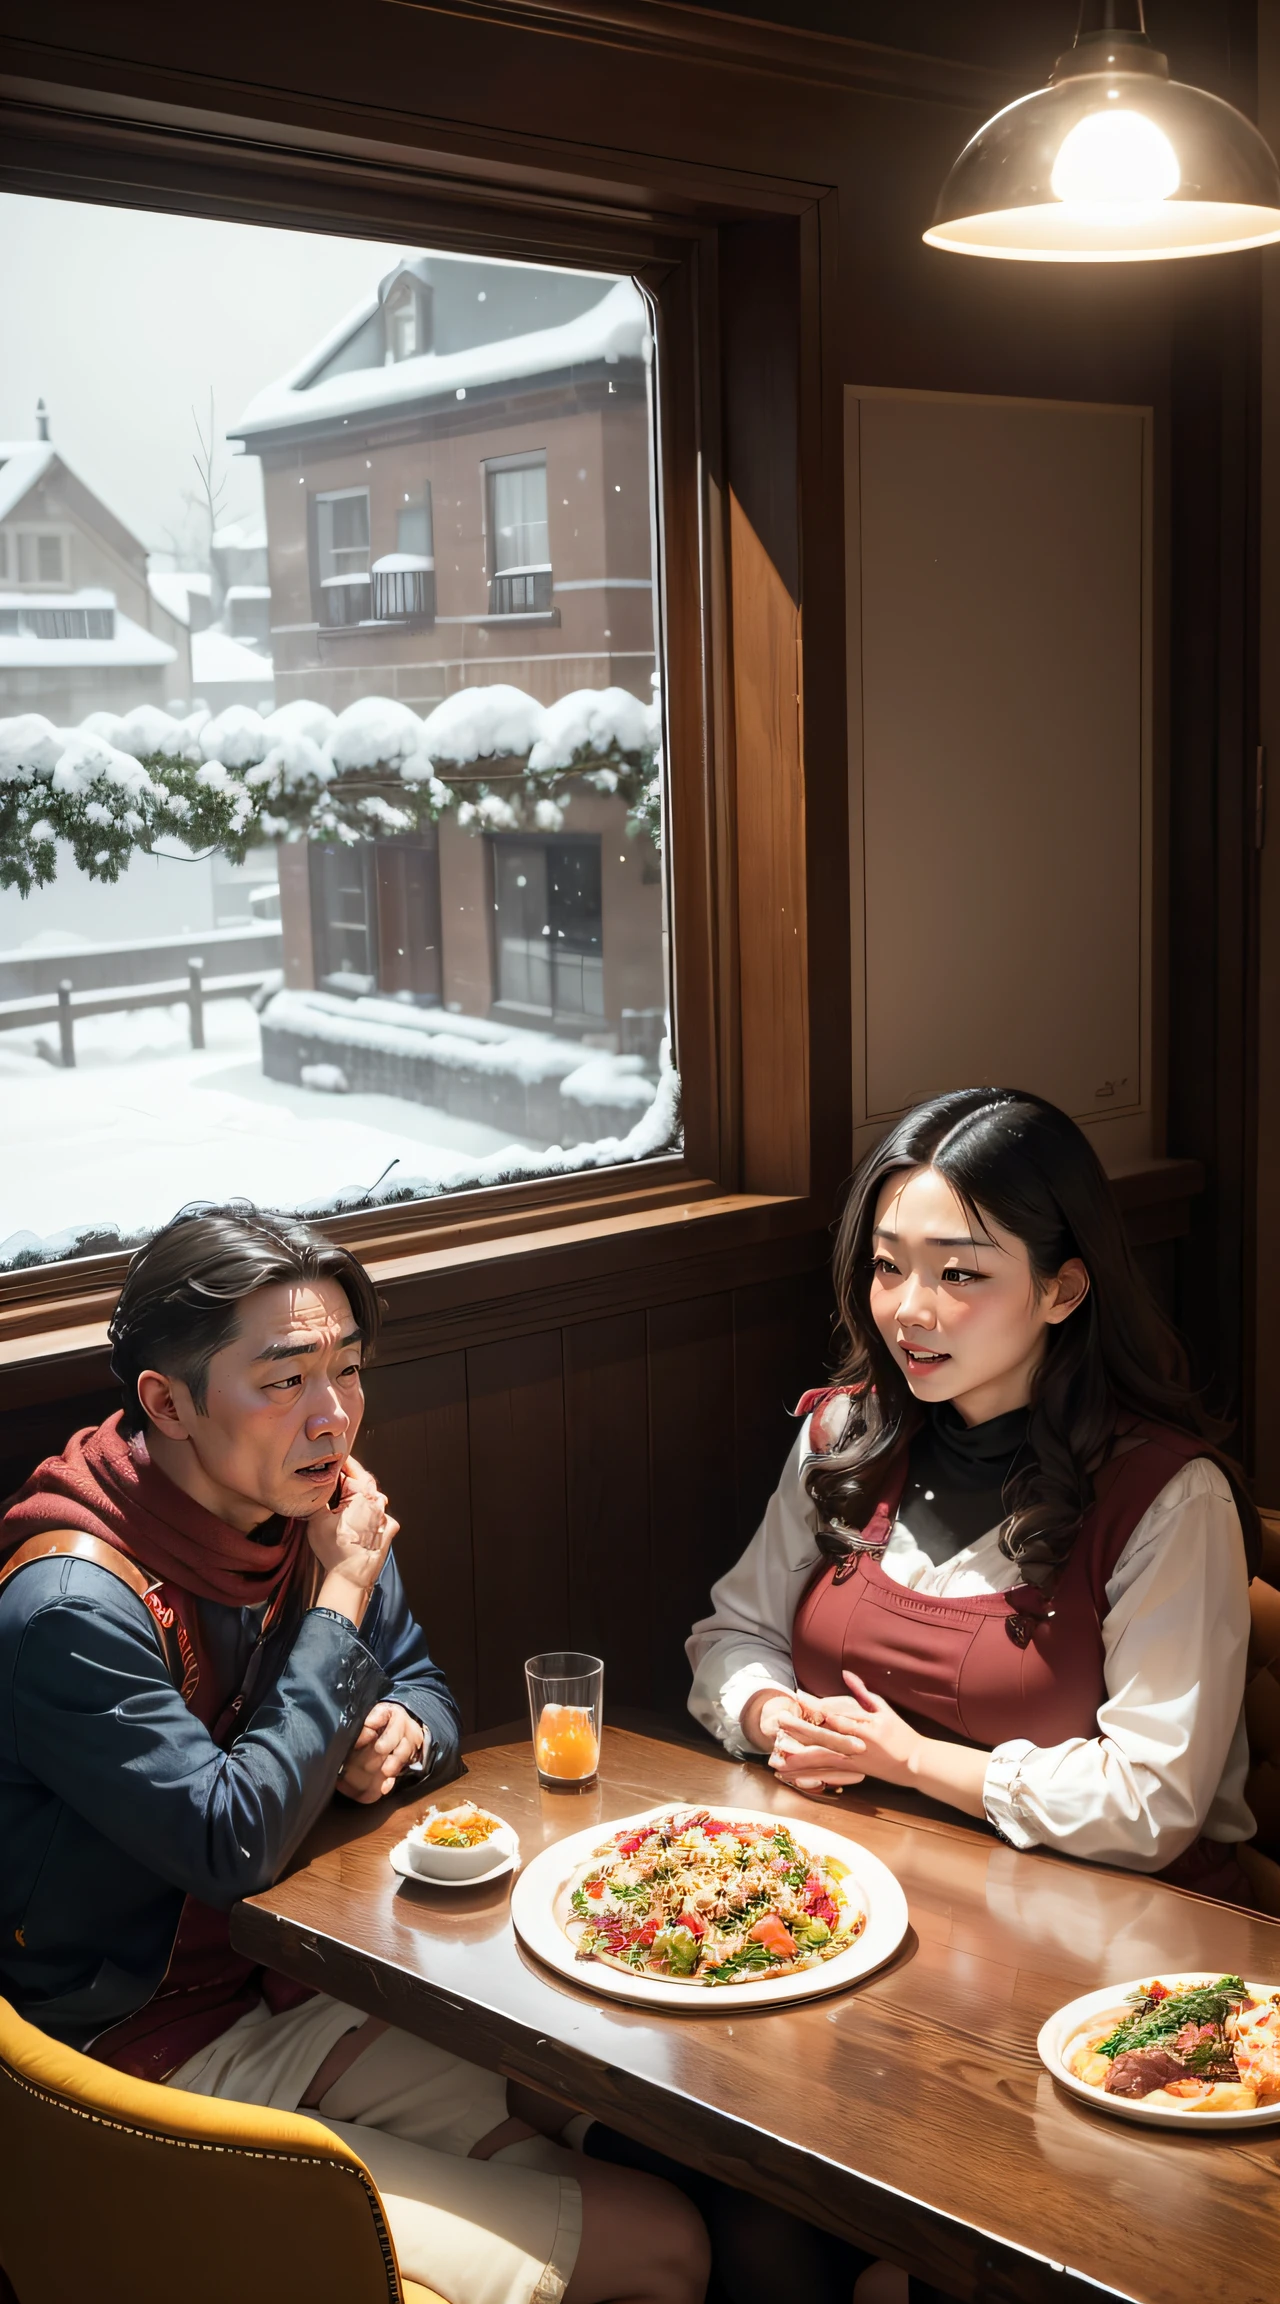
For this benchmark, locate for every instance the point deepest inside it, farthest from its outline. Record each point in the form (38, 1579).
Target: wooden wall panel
(416, 1443)
(581, 1486)
(515, 1394)
(606, 1413)
(40, 1432)
(691, 1478)
(781, 1347)
(1009, 781)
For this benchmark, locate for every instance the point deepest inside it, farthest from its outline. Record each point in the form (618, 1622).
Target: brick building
(457, 490)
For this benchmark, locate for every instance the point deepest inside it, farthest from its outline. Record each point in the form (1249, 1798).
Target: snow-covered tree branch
(493, 756)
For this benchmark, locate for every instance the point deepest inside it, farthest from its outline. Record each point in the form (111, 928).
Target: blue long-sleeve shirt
(116, 1803)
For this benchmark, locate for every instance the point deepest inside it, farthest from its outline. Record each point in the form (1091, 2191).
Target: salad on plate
(689, 1898)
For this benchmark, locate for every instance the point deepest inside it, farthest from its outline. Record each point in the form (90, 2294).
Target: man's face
(283, 1408)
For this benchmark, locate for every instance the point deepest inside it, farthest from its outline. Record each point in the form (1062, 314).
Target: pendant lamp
(1112, 163)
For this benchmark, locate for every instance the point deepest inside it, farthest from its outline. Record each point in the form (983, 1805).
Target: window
(413, 523)
(342, 555)
(442, 966)
(41, 557)
(549, 928)
(96, 623)
(403, 323)
(519, 548)
(343, 902)
(404, 582)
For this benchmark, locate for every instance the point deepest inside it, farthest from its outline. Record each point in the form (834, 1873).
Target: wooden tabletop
(909, 2113)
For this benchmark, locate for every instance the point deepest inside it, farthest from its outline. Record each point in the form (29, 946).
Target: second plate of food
(706, 1910)
(1178, 2050)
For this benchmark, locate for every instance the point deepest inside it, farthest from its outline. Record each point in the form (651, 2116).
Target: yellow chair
(122, 2192)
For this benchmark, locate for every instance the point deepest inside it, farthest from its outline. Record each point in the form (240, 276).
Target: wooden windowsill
(460, 1268)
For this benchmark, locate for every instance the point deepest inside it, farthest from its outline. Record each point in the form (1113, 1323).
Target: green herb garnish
(752, 1956)
(1155, 2020)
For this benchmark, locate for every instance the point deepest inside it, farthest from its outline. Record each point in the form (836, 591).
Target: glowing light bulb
(1112, 163)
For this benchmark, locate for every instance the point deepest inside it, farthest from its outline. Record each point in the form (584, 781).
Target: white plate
(1063, 2030)
(398, 1859)
(539, 1899)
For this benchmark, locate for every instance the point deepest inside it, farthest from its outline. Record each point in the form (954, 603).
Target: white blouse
(1170, 1757)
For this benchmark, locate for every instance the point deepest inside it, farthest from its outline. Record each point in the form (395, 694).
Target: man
(202, 1634)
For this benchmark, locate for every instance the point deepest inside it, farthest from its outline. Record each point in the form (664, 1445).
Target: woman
(1005, 1565)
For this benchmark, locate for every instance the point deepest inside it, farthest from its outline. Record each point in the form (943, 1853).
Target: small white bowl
(432, 1862)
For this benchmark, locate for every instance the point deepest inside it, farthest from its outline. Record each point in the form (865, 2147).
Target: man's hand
(390, 1740)
(351, 1541)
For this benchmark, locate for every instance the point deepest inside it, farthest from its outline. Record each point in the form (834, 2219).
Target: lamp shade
(1112, 163)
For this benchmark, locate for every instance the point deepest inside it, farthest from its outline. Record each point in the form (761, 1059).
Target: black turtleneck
(955, 1478)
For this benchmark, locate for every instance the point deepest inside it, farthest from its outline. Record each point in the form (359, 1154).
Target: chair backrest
(129, 2193)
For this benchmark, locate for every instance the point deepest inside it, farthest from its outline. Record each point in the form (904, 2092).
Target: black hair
(181, 1299)
(1012, 1157)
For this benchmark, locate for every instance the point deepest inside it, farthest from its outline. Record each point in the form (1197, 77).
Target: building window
(342, 555)
(414, 531)
(519, 543)
(549, 929)
(405, 316)
(404, 581)
(98, 623)
(42, 558)
(344, 918)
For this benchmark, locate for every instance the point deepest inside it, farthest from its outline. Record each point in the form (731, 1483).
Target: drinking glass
(566, 1692)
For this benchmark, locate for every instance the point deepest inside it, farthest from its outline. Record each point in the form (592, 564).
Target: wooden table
(909, 2113)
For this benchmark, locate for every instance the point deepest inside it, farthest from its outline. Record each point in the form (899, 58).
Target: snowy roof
(173, 587)
(88, 596)
(616, 328)
(216, 656)
(240, 536)
(130, 646)
(21, 464)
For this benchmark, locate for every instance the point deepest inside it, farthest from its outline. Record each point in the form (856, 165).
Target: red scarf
(108, 1486)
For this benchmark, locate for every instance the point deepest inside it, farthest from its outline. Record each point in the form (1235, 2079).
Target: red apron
(992, 1667)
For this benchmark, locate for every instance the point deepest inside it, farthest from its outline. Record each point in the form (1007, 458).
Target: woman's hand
(858, 1735)
(762, 1712)
(351, 1541)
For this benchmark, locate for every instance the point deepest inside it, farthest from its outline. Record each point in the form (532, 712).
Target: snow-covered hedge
(114, 787)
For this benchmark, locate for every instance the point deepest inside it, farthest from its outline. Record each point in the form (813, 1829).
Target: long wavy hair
(1012, 1159)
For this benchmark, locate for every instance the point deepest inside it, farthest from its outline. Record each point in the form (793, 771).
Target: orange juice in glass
(566, 1690)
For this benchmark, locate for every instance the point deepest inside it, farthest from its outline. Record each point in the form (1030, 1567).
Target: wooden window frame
(733, 440)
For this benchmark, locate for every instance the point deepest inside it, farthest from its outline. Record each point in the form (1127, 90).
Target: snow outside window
(441, 966)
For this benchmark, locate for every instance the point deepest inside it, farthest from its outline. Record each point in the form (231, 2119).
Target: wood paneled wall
(581, 1486)
(584, 1486)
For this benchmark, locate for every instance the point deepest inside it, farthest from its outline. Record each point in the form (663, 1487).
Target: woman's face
(956, 1303)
